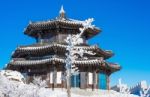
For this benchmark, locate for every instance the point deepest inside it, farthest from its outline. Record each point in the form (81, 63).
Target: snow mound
(12, 75)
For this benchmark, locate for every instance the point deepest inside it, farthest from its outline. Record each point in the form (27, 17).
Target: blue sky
(125, 25)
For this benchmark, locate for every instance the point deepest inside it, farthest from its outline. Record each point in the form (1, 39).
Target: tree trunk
(68, 82)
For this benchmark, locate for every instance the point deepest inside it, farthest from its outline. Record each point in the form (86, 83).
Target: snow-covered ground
(99, 93)
(15, 88)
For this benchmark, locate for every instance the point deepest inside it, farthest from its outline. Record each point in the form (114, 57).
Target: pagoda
(46, 58)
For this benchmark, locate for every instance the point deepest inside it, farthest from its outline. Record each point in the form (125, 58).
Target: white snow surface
(12, 88)
(13, 75)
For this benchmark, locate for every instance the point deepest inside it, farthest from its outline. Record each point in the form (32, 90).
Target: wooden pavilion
(46, 58)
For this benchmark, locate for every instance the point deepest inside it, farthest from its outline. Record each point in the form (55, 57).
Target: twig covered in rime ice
(76, 40)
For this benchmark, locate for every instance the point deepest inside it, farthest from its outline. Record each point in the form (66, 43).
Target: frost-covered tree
(73, 52)
(123, 88)
(39, 82)
(145, 92)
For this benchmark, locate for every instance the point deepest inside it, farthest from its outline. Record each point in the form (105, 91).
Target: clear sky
(125, 25)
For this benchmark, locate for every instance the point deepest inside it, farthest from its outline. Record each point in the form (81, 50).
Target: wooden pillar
(86, 78)
(98, 81)
(54, 84)
(48, 76)
(94, 80)
(55, 77)
(62, 84)
(64, 80)
(53, 80)
(108, 81)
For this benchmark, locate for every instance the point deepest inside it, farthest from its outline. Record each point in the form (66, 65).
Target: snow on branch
(39, 82)
(73, 40)
(86, 25)
(145, 92)
(72, 52)
(123, 88)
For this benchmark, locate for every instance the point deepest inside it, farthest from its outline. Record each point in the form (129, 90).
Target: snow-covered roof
(95, 62)
(38, 49)
(51, 59)
(60, 22)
